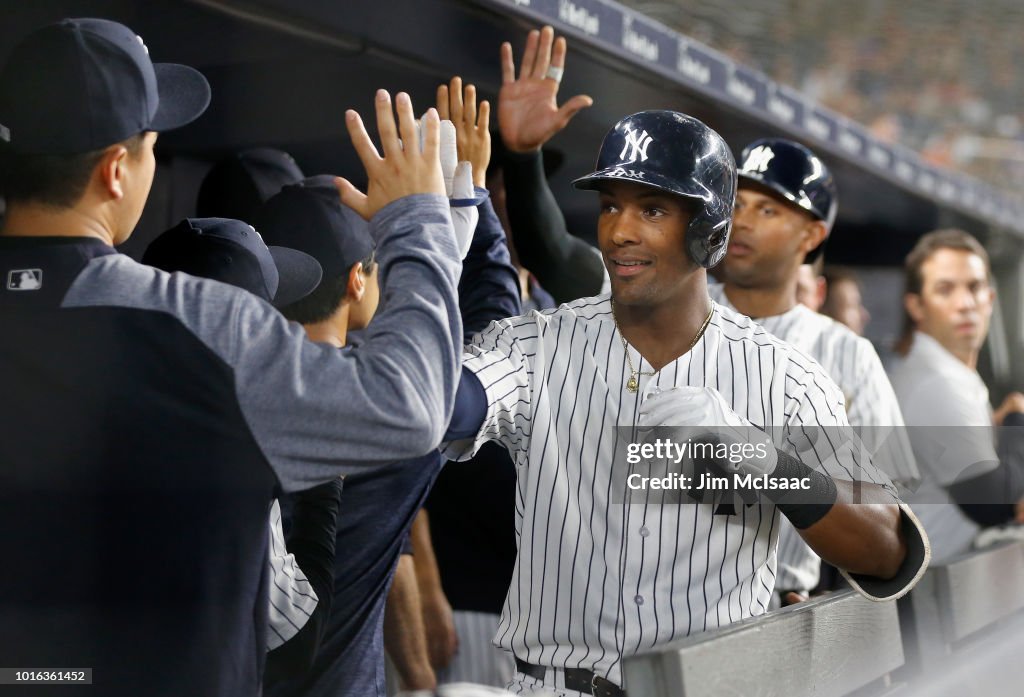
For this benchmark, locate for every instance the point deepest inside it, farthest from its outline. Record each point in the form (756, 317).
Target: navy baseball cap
(231, 251)
(310, 216)
(239, 184)
(83, 84)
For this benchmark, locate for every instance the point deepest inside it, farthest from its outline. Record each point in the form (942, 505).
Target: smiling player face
(641, 233)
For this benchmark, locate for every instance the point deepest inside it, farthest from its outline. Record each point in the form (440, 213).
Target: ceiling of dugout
(283, 72)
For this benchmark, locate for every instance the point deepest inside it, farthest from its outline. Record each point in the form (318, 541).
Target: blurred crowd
(937, 77)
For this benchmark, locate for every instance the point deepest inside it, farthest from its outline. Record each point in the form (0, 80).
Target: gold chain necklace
(632, 384)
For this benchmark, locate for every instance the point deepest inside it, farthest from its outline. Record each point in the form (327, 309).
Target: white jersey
(871, 408)
(597, 579)
(292, 598)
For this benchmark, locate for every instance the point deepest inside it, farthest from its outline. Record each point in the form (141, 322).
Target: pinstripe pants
(477, 660)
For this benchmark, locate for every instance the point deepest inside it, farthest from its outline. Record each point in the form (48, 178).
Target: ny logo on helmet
(758, 159)
(636, 145)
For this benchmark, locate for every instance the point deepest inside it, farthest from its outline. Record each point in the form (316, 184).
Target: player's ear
(912, 303)
(356, 282)
(110, 170)
(814, 234)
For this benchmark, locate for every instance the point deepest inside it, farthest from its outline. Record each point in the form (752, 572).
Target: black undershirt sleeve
(989, 499)
(566, 266)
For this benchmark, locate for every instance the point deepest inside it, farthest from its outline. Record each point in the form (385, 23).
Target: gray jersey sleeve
(945, 445)
(314, 410)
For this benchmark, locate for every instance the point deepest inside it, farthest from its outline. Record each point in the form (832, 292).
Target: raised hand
(528, 111)
(472, 133)
(400, 172)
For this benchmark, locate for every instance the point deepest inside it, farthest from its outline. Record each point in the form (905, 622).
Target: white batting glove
(458, 184)
(463, 203)
(449, 153)
(702, 414)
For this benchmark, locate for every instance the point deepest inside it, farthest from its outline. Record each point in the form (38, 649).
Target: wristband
(803, 507)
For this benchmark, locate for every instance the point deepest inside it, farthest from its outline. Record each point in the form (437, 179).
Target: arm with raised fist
(854, 525)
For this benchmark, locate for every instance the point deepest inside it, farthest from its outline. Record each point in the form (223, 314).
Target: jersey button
(639, 600)
(644, 532)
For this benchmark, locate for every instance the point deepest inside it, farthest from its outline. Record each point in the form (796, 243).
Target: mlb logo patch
(25, 279)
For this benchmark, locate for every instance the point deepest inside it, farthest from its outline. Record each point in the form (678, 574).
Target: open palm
(528, 111)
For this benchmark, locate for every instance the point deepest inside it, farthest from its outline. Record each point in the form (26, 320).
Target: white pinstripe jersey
(596, 580)
(871, 407)
(292, 598)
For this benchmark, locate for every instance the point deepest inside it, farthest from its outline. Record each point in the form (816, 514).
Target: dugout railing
(959, 632)
(836, 645)
(963, 625)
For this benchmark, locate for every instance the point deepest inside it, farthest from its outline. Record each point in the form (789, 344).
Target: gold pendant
(631, 384)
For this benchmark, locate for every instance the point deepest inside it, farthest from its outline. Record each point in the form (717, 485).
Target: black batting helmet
(678, 154)
(795, 173)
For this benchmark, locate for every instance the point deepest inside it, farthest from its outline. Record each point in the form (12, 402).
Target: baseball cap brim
(593, 181)
(299, 274)
(184, 95)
